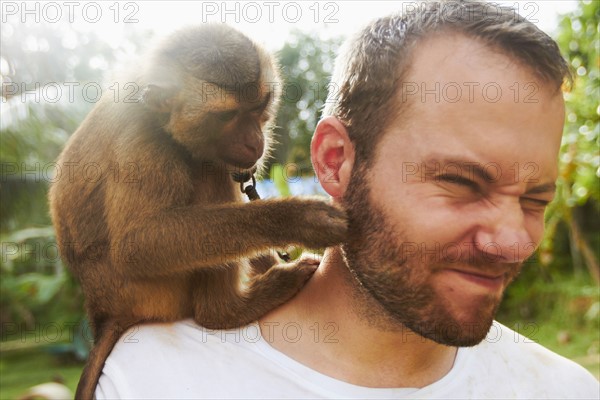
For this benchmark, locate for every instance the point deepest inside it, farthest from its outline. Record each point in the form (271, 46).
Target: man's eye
(227, 115)
(459, 180)
(534, 203)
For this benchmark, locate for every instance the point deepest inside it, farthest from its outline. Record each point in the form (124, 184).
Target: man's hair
(371, 66)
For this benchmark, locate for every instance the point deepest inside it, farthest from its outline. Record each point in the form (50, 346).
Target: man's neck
(324, 328)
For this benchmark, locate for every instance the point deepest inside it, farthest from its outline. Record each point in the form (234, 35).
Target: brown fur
(163, 234)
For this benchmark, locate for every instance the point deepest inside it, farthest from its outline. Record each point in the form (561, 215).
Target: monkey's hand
(283, 281)
(297, 272)
(263, 293)
(311, 222)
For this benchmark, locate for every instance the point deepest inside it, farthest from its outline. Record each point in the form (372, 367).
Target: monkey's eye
(227, 116)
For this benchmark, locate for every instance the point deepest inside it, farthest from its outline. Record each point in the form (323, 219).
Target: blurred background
(54, 58)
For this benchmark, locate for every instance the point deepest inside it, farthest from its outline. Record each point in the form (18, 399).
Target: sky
(268, 22)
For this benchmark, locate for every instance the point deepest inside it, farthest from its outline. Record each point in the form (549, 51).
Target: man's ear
(332, 156)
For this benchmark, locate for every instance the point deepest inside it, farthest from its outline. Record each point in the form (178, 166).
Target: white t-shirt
(183, 361)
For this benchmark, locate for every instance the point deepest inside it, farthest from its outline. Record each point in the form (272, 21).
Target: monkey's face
(216, 93)
(241, 142)
(226, 126)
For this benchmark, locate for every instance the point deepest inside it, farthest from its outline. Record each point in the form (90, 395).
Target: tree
(307, 63)
(578, 196)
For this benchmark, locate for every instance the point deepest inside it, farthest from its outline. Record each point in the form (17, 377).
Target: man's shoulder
(157, 358)
(524, 365)
(190, 333)
(159, 343)
(519, 349)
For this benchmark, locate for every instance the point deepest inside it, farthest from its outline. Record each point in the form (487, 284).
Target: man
(442, 145)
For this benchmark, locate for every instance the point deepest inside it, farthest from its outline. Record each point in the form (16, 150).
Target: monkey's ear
(158, 98)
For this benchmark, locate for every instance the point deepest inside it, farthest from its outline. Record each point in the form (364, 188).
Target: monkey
(146, 214)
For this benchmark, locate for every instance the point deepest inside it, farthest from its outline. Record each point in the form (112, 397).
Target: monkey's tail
(105, 342)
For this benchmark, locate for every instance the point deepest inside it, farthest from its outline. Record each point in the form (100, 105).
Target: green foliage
(25, 368)
(306, 63)
(277, 176)
(580, 158)
(577, 203)
(33, 279)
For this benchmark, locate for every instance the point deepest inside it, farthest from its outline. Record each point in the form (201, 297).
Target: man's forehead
(468, 99)
(455, 69)
(455, 56)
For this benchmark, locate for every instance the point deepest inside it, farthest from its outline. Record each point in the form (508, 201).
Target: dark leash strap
(250, 191)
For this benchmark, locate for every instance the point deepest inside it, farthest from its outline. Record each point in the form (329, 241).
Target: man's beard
(394, 289)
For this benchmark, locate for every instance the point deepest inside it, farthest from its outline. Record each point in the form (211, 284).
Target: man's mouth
(492, 280)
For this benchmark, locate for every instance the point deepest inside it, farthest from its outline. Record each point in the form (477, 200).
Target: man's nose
(502, 236)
